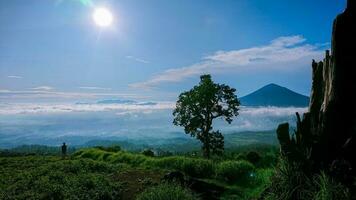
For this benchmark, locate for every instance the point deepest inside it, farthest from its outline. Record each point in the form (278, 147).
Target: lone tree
(196, 109)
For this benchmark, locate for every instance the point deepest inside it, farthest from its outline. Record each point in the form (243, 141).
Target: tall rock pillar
(326, 136)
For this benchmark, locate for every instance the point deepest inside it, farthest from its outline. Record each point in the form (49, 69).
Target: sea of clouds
(38, 123)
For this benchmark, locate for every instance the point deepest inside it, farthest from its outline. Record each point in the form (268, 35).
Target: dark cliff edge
(325, 136)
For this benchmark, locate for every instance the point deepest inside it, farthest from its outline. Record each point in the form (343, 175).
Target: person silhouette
(64, 150)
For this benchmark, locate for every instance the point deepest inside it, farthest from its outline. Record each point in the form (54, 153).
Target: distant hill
(179, 143)
(116, 101)
(275, 95)
(119, 101)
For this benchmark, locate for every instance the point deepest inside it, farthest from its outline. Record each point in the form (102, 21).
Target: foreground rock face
(326, 134)
(338, 112)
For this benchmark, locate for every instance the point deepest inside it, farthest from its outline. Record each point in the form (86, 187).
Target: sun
(102, 17)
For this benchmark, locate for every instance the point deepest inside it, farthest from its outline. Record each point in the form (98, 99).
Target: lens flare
(86, 2)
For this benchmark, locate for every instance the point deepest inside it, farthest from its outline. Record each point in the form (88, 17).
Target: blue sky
(155, 49)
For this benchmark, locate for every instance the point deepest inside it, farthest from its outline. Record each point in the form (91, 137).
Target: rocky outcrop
(326, 135)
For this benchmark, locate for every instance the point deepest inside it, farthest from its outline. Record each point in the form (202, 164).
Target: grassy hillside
(102, 173)
(48, 177)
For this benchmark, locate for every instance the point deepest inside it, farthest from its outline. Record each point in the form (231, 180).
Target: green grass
(37, 177)
(197, 167)
(239, 177)
(110, 173)
(167, 192)
(290, 182)
(231, 171)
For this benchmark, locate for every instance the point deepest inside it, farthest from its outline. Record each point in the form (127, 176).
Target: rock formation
(326, 135)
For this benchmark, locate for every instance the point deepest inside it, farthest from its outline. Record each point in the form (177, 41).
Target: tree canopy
(197, 108)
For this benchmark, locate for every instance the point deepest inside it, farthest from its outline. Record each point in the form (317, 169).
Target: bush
(253, 157)
(198, 167)
(128, 158)
(269, 159)
(167, 192)
(195, 167)
(234, 170)
(148, 152)
(113, 149)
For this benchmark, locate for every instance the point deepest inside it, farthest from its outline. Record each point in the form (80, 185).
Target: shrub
(148, 152)
(114, 148)
(195, 167)
(240, 156)
(234, 170)
(253, 157)
(200, 168)
(167, 192)
(127, 158)
(269, 159)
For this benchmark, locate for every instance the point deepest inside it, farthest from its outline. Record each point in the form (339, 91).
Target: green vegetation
(235, 170)
(196, 167)
(111, 173)
(167, 192)
(114, 148)
(148, 152)
(290, 182)
(196, 109)
(38, 177)
(34, 150)
(246, 182)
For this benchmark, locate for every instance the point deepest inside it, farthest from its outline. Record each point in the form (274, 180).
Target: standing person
(64, 150)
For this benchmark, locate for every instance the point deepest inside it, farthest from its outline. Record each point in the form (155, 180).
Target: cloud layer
(283, 53)
(29, 108)
(42, 123)
(127, 108)
(42, 88)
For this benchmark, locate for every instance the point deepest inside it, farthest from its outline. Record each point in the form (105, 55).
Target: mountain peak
(275, 95)
(272, 85)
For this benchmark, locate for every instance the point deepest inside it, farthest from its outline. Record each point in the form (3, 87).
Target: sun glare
(102, 17)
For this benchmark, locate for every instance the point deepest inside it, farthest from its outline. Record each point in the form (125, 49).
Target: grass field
(100, 173)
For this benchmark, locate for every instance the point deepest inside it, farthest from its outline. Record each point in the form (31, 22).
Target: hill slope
(275, 95)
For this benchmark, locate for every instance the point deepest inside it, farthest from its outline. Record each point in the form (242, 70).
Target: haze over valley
(136, 121)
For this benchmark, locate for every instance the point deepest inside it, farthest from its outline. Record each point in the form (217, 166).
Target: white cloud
(288, 41)
(138, 59)
(120, 108)
(283, 53)
(263, 118)
(158, 115)
(271, 111)
(173, 75)
(93, 88)
(45, 88)
(17, 77)
(30, 108)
